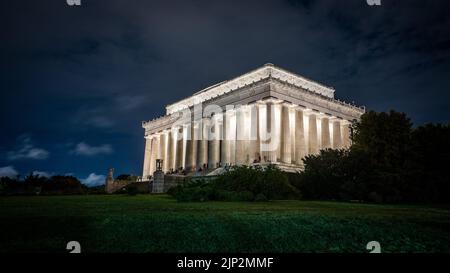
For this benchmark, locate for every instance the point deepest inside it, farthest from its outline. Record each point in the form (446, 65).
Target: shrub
(192, 191)
(389, 161)
(260, 198)
(132, 190)
(244, 196)
(239, 184)
(375, 197)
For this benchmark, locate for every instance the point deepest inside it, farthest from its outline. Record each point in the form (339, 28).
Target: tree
(385, 138)
(11, 186)
(127, 177)
(389, 161)
(62, 184)
(34, 183)
(428, 163)
(323, 174)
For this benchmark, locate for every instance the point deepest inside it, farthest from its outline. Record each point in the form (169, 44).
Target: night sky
(76, 82)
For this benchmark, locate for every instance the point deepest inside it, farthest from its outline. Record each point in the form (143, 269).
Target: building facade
(266, 116)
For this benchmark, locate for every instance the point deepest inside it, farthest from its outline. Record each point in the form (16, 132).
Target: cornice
(265, 72)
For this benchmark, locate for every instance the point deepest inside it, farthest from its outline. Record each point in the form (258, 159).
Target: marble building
(266, 116)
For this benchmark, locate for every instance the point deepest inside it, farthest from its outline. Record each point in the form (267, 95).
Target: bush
(132, 190)
(245, 196)
(39, 185)
(375, 197)
(389, 161)
(239, 184)
(260, 198)
(192, 191)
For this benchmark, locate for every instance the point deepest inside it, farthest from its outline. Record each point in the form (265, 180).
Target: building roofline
(265, 71)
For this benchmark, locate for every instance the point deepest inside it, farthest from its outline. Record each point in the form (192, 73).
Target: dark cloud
(26, 150)
(92, 73)
(8, 171)
(85, 149)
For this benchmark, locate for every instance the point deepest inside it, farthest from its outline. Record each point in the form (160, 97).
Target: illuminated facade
(266, 116)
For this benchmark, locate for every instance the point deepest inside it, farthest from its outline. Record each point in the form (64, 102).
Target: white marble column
(232, 137)
(195, 139)
(219, 135)
(152, 143)
(345, 131)
(198, 135)
(155, 148)
(254, 149)
(300, 143)
(313, 136)
(185, 159)
(206, 126)
(179, 148)
(247, 128)
(166, 163)
(214, 141)
(162, 148)
(240, 136)
(264, 130)
(194, 133)
(224, 153)
(152, 156)
(147, 155)
(276, 132)
(188, 152)
(270, 153)
(285, 144)
(292, 126)
(173, 163)
(202, 154)
(337, 137)
(271, 133)
(169, 149)
(211, 148)
(325, 130)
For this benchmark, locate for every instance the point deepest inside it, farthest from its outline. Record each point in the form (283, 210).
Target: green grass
(157, 223)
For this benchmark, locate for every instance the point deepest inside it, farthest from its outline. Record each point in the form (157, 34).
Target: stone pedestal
(158, 182)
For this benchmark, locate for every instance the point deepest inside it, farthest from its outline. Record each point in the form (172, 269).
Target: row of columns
(267, 131)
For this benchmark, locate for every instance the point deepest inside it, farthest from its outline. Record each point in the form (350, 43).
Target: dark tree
(61, 184)
(389, 161)
(384, 136)
(429, 175)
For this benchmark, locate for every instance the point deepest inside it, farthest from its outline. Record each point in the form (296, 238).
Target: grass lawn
(157, 223)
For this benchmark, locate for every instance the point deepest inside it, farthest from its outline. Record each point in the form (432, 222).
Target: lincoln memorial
(266, 116)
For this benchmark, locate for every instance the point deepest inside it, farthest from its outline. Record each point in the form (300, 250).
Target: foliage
(389, 161)
(385, 137)
(127, 177)
(428, 171)
(36, 185)
(96, 190)
(132, 189)
(193, 191)
(241, 183)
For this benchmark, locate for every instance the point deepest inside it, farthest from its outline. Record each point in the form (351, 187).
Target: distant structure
(158, 178)
(266, 116)
(109, 184)
(113, 185)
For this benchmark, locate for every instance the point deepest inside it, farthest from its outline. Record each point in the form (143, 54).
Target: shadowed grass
(157, 223)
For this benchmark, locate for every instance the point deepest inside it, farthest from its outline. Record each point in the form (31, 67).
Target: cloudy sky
(76, 82)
